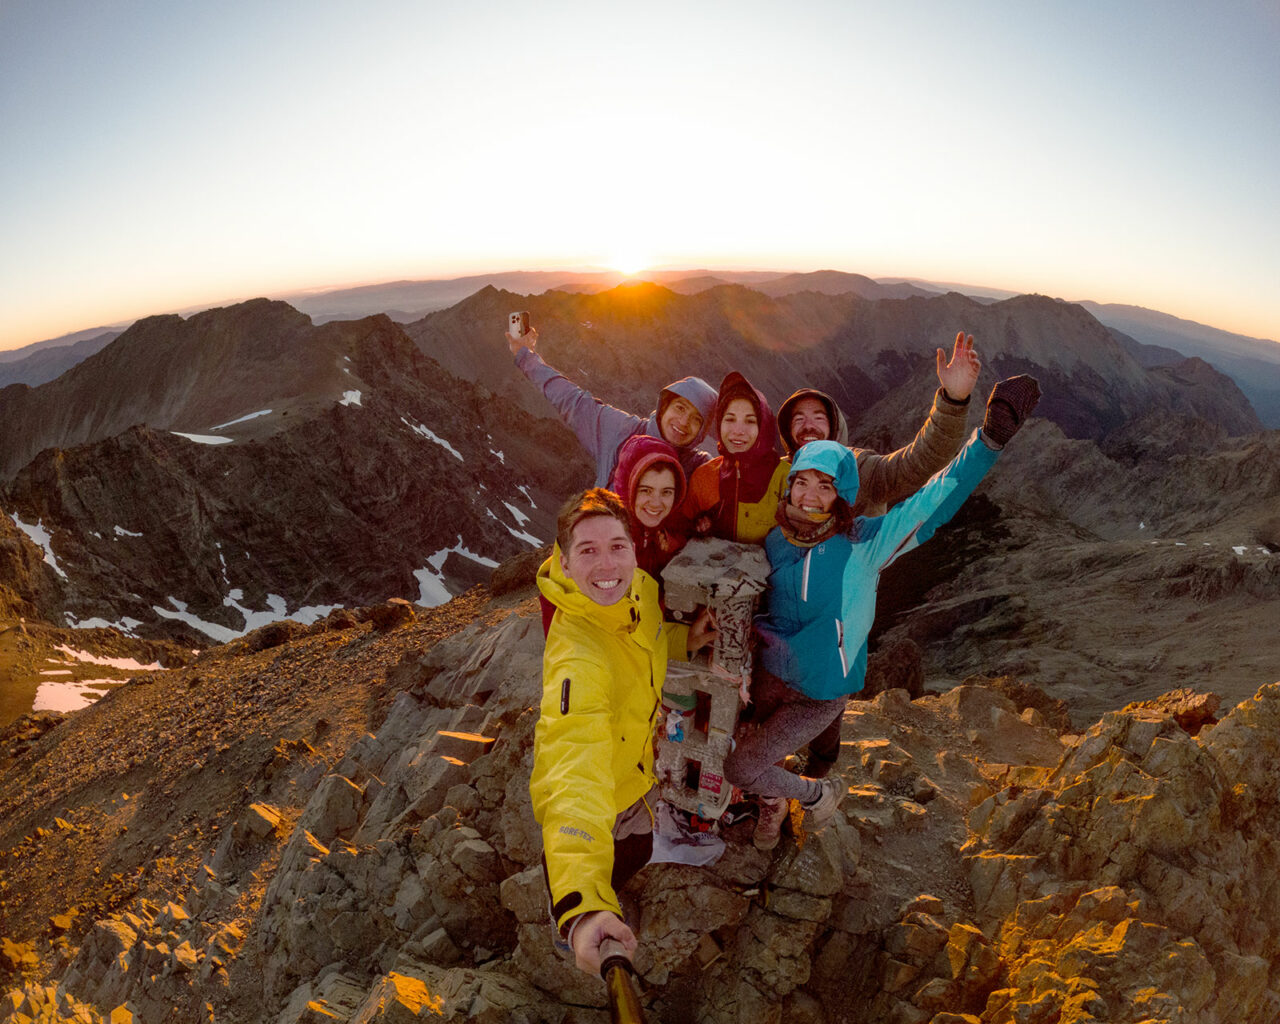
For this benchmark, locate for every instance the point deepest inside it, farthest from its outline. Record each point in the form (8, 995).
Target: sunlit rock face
(986, 865)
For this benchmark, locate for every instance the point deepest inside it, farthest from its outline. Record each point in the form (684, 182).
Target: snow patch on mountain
(432, 591)
(204, 438)
(528, 538)
(124, 624)
(277, 609)
(66, 696)
(431, 435)
(127, 664)
(40, 536)
(350, 398)
(516, 514)
(243, 419)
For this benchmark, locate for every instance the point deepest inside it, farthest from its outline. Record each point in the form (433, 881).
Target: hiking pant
(824, 749)
(783, 722)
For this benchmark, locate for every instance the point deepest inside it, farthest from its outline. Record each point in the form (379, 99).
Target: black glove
(1012, 401)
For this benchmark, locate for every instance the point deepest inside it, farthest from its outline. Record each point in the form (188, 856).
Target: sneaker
(773, 812)
(820, 811)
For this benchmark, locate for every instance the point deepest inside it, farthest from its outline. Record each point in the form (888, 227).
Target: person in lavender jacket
(682, 417)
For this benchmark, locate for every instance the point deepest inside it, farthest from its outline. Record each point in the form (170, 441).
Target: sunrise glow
(630, 265)
(160, 160)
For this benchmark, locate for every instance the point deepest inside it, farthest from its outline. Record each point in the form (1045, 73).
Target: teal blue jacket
(821, 600)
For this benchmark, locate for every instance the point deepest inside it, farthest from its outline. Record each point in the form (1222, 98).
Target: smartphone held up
(518, 324)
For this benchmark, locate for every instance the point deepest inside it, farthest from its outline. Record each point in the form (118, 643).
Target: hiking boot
(820, 811)
(773, 812)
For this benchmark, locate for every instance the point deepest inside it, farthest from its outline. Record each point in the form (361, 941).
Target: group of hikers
(830, 518)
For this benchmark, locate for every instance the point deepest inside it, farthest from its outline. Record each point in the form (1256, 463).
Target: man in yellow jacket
(593, 785)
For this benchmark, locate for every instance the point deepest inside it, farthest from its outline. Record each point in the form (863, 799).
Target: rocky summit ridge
(332, 823)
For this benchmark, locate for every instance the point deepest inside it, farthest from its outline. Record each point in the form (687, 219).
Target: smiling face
(809, 421)
(680, 423)
(813, 491)
(655, 495)
(739, 426)
(601, 559)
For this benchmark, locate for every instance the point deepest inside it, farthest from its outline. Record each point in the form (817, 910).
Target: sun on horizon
(630, 266)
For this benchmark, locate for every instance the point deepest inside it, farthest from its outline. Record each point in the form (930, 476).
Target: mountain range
(197, 471)
(1154, 338)
(297, 557)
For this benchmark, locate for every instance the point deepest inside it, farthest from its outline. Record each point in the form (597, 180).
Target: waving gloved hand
(1012, 401)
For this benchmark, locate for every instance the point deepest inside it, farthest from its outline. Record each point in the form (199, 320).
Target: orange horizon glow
(75, 318)
(631, 265)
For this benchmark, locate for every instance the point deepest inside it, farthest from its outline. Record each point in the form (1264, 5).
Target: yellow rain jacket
(602, 675)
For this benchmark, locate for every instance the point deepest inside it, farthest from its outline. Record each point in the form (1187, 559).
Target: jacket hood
(839, 426)
(639, 454)
(735, 385)
(621, 617)
(832, 458)
(697, 392)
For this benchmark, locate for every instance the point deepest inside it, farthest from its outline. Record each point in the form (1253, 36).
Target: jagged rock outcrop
(1138, 880)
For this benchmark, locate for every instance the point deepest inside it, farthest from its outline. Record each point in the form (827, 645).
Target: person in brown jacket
(883, 480)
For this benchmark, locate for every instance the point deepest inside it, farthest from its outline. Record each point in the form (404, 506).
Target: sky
(161, 156)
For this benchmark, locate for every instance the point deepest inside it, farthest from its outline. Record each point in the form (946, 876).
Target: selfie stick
(616, 970)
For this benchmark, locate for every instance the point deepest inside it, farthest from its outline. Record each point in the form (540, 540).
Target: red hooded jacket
(655, 545)
(739, 492)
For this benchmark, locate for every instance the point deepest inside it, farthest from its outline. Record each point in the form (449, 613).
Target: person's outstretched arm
(885, 479)
(599, 427)
(913, 522)
(572, 789)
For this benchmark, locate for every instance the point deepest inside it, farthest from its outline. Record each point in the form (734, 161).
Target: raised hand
(1012, 401)
(960, 374)
(527, 340)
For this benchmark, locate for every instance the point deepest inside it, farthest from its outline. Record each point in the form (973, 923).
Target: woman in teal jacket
(821, 600)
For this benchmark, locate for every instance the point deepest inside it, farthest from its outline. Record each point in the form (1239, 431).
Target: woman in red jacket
(651, 484)
(736, 495)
